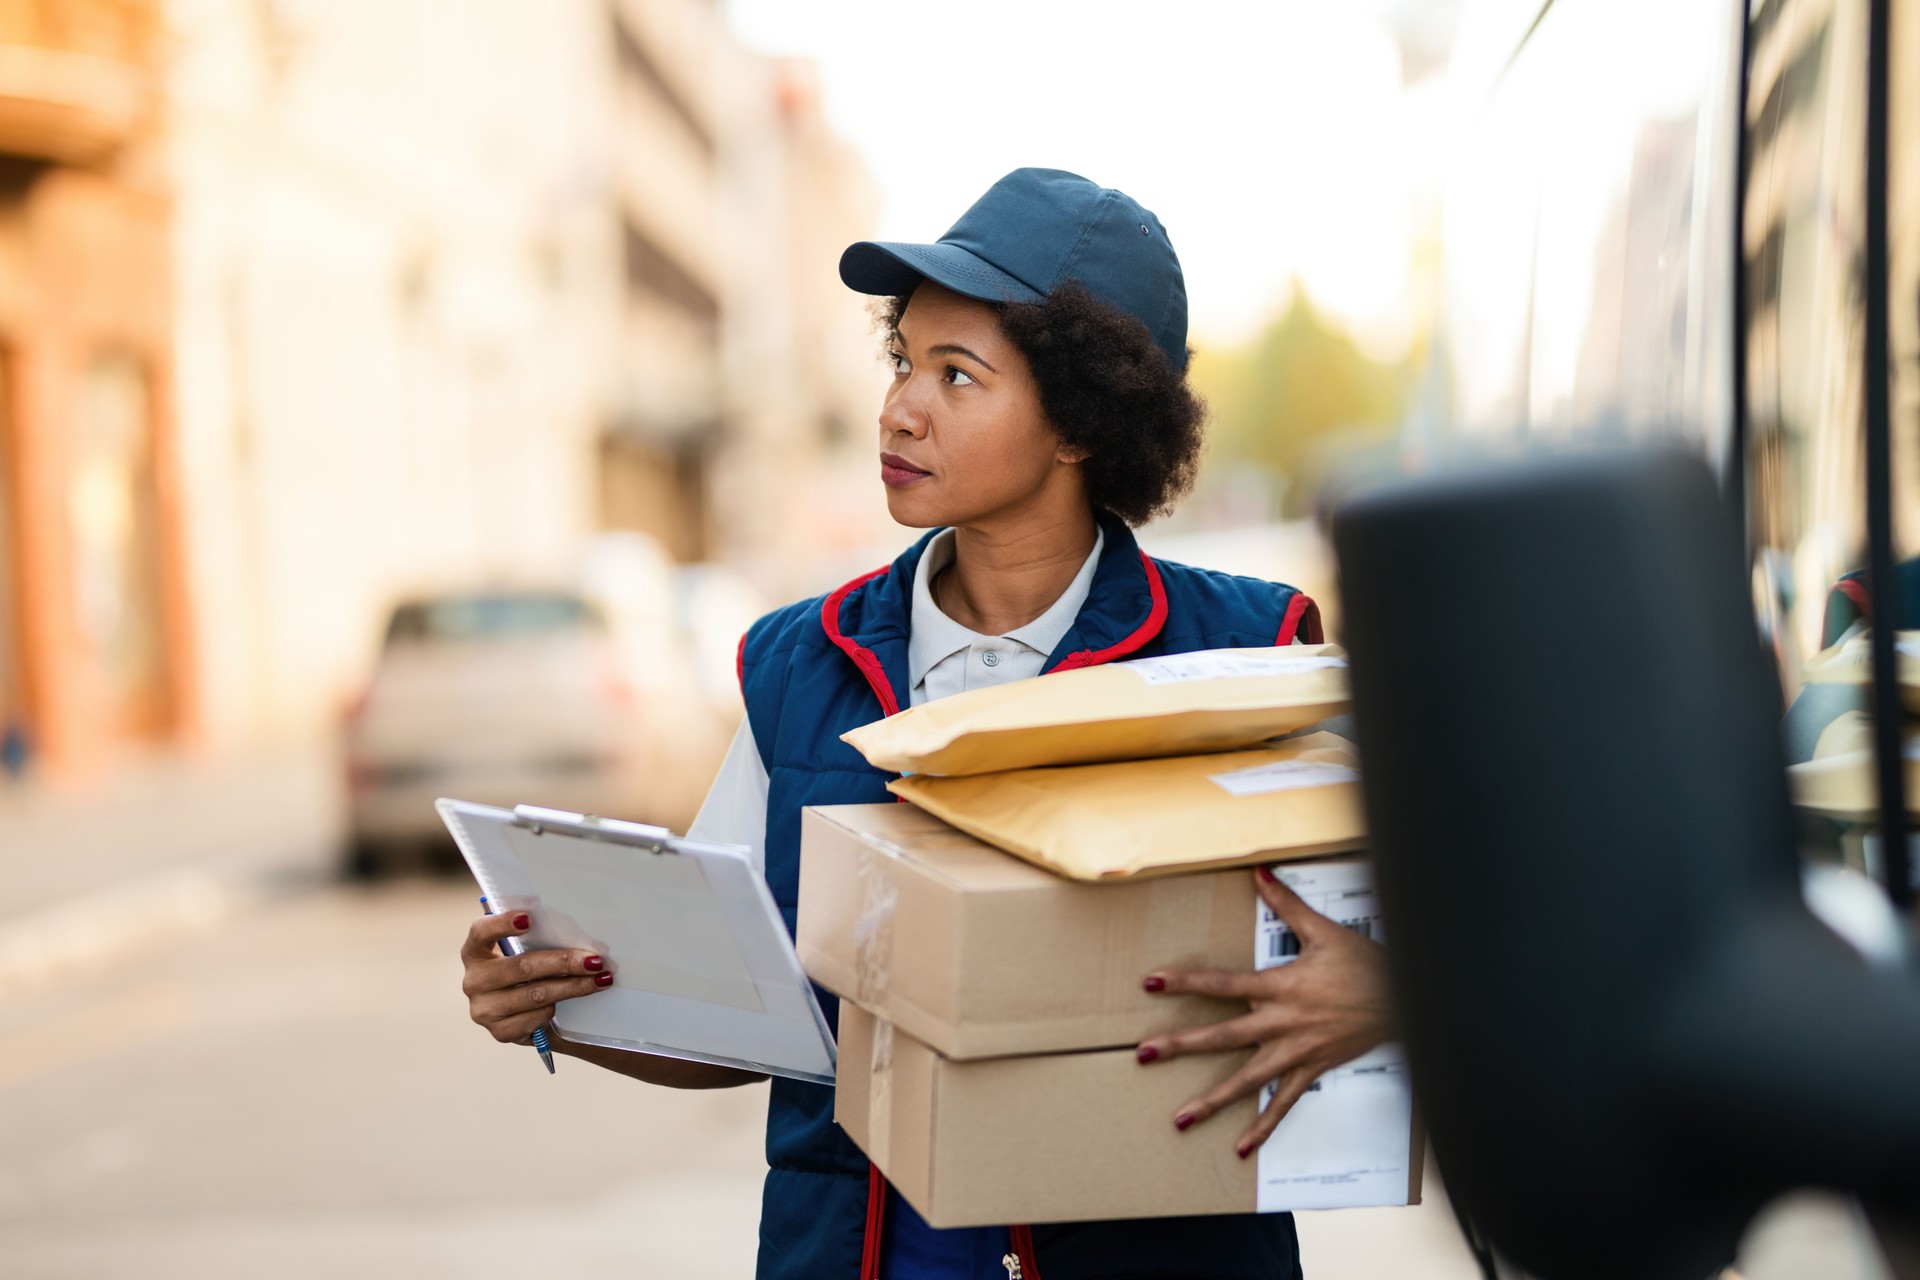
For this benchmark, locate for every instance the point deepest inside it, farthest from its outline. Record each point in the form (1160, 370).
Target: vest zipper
(1012, 1263)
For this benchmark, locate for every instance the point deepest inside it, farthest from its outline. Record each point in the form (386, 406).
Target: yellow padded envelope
(1851, 662)
(1213, 700)
(1297, 799)
(1841, 781)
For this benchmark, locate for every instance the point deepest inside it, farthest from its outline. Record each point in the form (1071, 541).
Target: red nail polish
(593, 964)
(604, 980)
(1155, 983)
(1245, 1151)
(522, 921)
(1265, 873)
(1183, 1122)
(1146, 1053)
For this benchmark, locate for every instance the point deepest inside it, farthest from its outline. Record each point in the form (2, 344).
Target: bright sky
(1272, 137)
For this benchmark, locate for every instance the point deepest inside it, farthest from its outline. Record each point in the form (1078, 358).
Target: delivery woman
(1038, 408)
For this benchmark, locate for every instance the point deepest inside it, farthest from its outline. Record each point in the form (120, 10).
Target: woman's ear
(1070, 455)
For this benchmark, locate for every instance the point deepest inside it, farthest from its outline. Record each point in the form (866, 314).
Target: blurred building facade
(309, 304)
(94, 624)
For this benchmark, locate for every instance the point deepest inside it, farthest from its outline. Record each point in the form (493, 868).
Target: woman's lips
(896, 472)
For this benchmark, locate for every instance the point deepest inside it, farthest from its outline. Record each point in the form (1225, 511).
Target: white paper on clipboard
(703, 966)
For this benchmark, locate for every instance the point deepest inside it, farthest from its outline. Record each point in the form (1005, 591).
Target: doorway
(114, 525)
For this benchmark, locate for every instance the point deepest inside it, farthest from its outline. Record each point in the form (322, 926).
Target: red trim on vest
(1023, 1249)
(1300, 609)
(740, 664)
(1156, 619)
(863, 658)
(1856, 591)
(1019, 1238)
(876, 1218)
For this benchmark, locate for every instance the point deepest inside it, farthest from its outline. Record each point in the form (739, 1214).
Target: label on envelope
(1224, 665)
(1283, 775)
(1349, 1139)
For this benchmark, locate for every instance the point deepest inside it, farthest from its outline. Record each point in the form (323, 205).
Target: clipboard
(704, 969)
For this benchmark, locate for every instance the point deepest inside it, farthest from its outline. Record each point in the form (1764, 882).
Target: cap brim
(887, 269)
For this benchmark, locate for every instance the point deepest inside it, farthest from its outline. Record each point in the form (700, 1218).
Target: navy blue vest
(814, 670)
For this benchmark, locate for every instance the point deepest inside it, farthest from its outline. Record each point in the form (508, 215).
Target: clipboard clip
(591, 826)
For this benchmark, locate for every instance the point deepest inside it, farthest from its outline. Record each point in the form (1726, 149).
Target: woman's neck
(1003, 578)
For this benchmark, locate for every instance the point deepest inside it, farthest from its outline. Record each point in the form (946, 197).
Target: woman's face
(962, 436)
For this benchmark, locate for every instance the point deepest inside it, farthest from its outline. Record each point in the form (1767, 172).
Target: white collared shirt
(943, 658)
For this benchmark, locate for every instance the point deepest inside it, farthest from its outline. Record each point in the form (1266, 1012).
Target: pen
(513, 947)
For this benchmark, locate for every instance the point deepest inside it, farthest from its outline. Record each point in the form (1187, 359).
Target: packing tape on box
(873, 929)
(880, 1087)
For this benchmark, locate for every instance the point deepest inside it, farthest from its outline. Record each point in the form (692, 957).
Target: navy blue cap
(1033, 230)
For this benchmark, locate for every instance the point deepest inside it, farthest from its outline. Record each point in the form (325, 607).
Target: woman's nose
(903, 414)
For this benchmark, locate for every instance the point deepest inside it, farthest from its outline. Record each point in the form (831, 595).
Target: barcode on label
(1283, 775)
(1284, 944)
(1340, 890)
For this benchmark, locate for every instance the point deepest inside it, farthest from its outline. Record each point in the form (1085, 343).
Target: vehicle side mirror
(1627, 1033)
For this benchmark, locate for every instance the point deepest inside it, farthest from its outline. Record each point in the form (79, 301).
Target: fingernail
(1155, 983)
(522, 921)
(1146, 1053)
(593, 964)
(1245, 1150)
(1183, 1121)
(1265, 873)
(604, 980)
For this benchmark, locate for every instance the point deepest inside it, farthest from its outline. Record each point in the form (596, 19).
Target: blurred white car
(511, 697)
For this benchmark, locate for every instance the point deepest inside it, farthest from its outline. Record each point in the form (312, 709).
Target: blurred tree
(1293, 398)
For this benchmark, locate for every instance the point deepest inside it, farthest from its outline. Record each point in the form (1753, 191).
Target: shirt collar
(934, 637)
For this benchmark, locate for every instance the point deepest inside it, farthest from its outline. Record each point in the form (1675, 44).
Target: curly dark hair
(1108, 390)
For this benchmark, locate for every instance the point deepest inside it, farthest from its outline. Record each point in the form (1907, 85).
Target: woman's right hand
(513, 996)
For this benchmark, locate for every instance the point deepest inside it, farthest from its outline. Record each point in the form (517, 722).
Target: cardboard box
(1087, 1136)
(981, 955)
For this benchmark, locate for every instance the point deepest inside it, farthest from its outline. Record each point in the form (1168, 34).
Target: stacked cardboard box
(991, 1004)
(989, 1013)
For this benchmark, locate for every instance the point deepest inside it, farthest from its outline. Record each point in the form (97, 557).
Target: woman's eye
(959, 377)
(898, 362)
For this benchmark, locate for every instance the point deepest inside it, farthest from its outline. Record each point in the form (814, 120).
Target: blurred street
(272, 1073)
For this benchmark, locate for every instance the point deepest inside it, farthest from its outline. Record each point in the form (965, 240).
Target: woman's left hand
(1310, 1015)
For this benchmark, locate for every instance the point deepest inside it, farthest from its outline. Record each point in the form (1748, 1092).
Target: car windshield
(490, 617)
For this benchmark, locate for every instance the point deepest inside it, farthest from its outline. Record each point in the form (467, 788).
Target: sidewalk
(165, 843)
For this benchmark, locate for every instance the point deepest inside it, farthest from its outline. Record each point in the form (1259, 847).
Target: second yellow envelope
(1296, 799)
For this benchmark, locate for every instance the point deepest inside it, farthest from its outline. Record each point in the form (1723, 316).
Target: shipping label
(1283, 775)
(1178, 668)
(1348, 1142)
